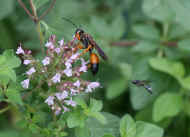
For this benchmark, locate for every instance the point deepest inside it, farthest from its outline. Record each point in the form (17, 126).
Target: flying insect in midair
(88, 45)
(143, 83)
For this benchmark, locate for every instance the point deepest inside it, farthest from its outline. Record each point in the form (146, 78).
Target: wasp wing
(146, 81)
(100, 51)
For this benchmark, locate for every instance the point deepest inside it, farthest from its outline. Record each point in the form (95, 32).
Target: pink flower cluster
(61, 67)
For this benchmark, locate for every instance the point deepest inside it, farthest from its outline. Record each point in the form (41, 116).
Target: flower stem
(40, 35)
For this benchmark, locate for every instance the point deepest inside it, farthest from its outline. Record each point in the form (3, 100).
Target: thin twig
(48, 10)
(170, 44)
(33, 8)
(24, 7)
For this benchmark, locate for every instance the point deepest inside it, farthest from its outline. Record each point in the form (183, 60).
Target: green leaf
(176, 31)
(14, 96)
(98, 129)
(39, 3)
(185, 82)
(174, 68)
(126, 70)
(99, 25)
(80, 101)
(9, 60)
(127, 127)
(34, 128)
(145, 47)
(118, 84)
(183, 45)
(100, 117)
(6, 8)
(4, 80)
(148, 130)
(167, 105)
(76, 119)
(95, 105)
(6, 41)
(158, 9)
(116, 88)
(82, 132)
(7, 74)
(181, 9)
(146, 31)
(107, 135)
(145, 114)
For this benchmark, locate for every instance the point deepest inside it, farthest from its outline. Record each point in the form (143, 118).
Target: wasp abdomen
(94, 61)
(94, 68)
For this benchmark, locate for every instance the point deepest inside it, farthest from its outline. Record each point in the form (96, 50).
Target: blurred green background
(144, 40)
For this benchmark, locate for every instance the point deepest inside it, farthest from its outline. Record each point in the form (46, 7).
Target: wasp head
(78, 33)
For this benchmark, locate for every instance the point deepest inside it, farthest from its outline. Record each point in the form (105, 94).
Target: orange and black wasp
(143, 83)
(88, 45)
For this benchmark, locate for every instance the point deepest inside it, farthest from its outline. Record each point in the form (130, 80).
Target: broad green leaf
(158, 9)
(107, 135)
(148, 130)
(183, 45)
(34, 128)
(145, 114)
(7, 74)
(176, 31)
(146, 31)
(4, 80)
(14, 96)
(116, 88)
(116, 31)
(76, 119)
(95, 105)
(126, 70)
(99, 25)
(6, 40)
(10, 133)
(181, 9)
(185, 82)
(82, 132)
(175, 69)
(127, 127)
(145, 47)
(99, 116)
(98, 129)
(6, 8)
(80, 101)
(39, 3)
(11, 60)
(167, 105)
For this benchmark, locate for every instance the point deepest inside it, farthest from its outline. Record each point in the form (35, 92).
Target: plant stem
(24, 7)
(4, 109)
(40, 35)
(48, 10)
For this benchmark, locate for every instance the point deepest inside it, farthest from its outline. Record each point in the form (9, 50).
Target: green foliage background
(151, 39)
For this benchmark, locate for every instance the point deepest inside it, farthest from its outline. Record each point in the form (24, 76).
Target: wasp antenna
(80, 26)
(68, 20)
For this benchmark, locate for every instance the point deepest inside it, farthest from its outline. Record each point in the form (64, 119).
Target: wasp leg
(78, 46)
(86, 50)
